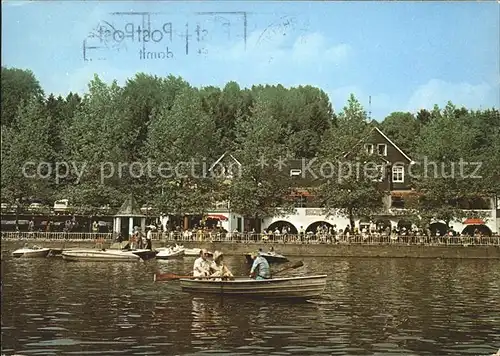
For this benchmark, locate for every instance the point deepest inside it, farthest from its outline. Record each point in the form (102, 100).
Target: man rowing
(260, 268)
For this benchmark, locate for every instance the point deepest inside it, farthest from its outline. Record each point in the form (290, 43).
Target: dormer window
(369, 148)
(382, 149)
(295, 172)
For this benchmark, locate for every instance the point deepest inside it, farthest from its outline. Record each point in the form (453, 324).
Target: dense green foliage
(151, 120)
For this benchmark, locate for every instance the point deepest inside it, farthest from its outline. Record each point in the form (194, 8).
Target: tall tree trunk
(351, 220)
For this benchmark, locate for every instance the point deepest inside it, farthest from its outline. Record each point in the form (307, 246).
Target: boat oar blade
(167, 277)
(295, 265)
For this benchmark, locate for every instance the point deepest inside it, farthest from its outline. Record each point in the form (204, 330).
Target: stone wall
(307, 250)
(394, 251)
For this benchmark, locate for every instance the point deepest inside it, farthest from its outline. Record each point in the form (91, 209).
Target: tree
(18, 85)
(444, 177)
(97, 142)
(26, 155)
(349, 186)
(263, 188)
(403, 130)
(144, 94)
(181, 143)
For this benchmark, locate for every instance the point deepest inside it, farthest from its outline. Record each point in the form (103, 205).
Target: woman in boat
(202, 266)
(219, 268)
(260, 267)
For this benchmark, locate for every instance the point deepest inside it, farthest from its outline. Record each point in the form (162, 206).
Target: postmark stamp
(157, 36)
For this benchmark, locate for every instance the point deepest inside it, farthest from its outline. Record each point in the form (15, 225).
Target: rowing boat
(303, 287)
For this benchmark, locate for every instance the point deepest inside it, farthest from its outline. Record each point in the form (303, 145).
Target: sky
(406, 56)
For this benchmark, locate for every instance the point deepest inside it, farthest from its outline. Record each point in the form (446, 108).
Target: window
(369, 148)
(398, 174)
(382, 149)
(295, 172)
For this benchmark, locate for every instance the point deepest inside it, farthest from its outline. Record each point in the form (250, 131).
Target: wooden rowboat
(277, 288)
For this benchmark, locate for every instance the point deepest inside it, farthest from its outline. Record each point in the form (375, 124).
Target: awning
(403, 193)
(301, 193)
(474, 222)
(217, 217)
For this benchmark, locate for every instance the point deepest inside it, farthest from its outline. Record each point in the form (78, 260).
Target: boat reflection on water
(208, 321)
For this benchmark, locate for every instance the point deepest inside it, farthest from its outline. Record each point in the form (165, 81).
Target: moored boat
(271, 257)
(32, 252)
(169, 253)
(99, 255)
(193, 252)
(303, 287)
(144, 254)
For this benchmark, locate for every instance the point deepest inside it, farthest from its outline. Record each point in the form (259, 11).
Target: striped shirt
(261, 267)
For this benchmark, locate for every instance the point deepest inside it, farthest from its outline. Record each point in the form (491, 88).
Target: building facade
(395, 178)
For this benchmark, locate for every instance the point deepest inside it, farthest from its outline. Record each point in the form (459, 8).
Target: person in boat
(202, 267)
(219, 268)
(271, 251)
(260, 267)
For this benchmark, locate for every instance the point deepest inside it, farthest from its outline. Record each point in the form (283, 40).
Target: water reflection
(370, 306)
(207, 321)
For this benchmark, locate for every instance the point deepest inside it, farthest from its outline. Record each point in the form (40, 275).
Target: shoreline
(299, 250)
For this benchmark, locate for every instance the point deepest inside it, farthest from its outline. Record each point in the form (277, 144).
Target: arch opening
(280, 225)
(474, 230)
(383, 224)
(405, 224)
(438, 228)
(319, 224)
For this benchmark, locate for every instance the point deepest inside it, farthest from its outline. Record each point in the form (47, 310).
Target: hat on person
(218, 254)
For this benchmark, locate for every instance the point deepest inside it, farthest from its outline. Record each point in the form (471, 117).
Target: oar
(295, 265)
(172, 276)
(169, 277)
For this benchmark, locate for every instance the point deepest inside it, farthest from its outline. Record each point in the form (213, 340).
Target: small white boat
(167, 253)
(99, 255)
(34, 251)
(192, 252)
(144, 254)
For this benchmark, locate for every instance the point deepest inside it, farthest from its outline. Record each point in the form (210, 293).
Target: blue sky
(405, 55)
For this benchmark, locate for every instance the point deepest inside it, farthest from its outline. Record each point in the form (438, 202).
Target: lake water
(370, 307)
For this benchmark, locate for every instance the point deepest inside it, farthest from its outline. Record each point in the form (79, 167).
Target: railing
(179, 237)
(56, 236)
